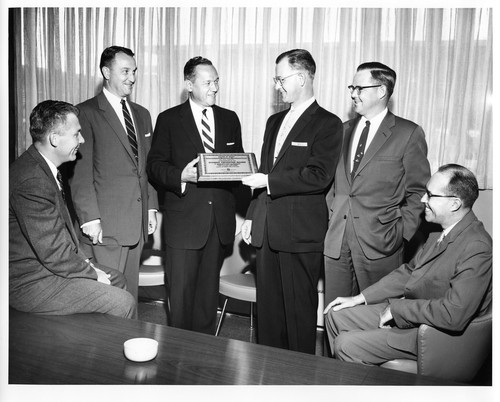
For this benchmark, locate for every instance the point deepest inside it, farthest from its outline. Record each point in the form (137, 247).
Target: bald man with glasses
(446, 285)
(374, 203)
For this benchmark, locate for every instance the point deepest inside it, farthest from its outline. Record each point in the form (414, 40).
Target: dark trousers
(287, 298)
(193, 279)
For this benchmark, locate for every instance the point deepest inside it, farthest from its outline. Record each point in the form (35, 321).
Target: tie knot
(368, 123)
(122, 102)
(204, 112)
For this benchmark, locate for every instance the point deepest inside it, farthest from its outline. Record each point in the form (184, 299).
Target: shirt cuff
(90, 222)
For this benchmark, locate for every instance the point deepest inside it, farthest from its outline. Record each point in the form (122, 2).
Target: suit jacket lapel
(381, 136)
(114, 122)
(62, 204)
(297, 128)
(273, 131)
(349, 132)
(422, 261)
(139, 132)
(190, 127)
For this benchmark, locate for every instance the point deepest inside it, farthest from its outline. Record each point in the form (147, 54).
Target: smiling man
(114, 203)
(446, 285)
(374, 203)
(48, 272)
(287, 218)
(199, 220)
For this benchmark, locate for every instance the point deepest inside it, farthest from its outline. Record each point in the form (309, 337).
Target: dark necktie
(60, 181)
(360, 150)
(130, 129)
(208, 141)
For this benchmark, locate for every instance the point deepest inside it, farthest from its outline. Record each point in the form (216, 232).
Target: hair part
(462, 183)
(109, 54)
(382, 74)
(299, 59)
(47, 115)
(190, 67)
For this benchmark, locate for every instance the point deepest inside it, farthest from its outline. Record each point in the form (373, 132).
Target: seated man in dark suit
(48, 274)
(446, 285)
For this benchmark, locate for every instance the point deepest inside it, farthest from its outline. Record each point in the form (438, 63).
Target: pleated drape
(443, 58)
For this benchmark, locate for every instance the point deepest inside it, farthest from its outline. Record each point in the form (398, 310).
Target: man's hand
(256, 180)
(152, 221)
(102, 276)
(246, 231)
(344, 302)
(385, 317)
(190, 172)
(93, 231)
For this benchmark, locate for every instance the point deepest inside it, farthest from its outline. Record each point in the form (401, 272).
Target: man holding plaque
(199, 216)
(287, 218)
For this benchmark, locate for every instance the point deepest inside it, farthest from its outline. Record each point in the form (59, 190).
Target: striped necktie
(207, 139)
(61, 184)
(132, 139)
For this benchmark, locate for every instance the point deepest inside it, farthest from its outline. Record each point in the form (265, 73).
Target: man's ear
(189, 85)
(53, 139)
(382, 90)
(302, 78)
(106, 72)
(456, 204)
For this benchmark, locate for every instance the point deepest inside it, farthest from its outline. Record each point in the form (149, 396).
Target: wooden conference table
(88, 349)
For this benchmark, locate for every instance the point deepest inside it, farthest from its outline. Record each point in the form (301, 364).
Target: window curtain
(443, 58)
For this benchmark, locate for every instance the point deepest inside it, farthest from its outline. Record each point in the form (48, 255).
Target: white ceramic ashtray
(140, 349)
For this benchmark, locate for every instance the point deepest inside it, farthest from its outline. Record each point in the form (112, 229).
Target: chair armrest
(454, 356)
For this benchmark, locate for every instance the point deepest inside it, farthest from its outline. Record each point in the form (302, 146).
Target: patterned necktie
(207, 139)
(360, 150)
(61, 186)
(130, 129)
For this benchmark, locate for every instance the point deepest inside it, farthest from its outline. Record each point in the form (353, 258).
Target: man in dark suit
(48, 273)
(446, 285)
(375, 198)
(287, 218)
(199, 217)
(114, 203)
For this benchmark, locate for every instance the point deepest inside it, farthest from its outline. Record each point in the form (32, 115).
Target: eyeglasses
(281, 80)
(358, 89)
(430, 195)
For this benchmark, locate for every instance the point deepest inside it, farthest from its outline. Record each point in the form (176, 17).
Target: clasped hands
(345, 302)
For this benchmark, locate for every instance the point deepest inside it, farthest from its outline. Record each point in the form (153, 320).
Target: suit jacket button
(209, 202)
(345, 216)
(139, 199)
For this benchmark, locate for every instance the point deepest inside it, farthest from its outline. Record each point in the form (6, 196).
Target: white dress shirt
(374, 126)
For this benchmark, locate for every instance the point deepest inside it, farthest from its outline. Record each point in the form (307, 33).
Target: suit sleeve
(82, 183)
(417, 173)
(152, 194)
(45, 229)
(160, 166)
(317, 173)
(460, 303)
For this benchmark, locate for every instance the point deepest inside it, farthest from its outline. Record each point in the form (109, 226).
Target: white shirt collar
(449, 228)
(52, 167)
(198, 109)
(112, 98)
(303, 106)
(375, 121)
